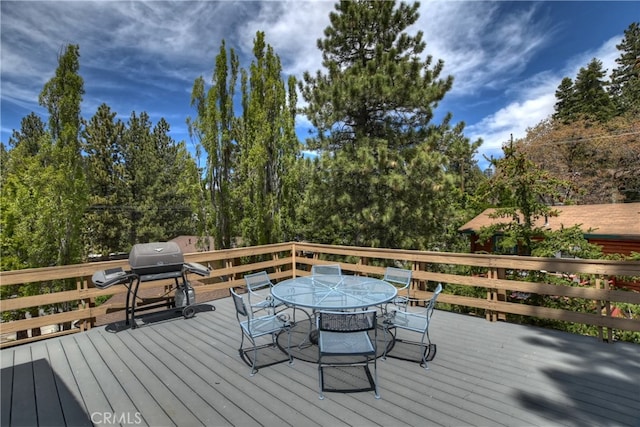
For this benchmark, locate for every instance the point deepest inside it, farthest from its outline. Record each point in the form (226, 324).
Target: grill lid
(156, 257)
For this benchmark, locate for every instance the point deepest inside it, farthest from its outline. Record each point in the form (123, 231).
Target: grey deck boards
(187, 372)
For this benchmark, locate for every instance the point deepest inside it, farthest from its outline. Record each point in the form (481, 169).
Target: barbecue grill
(149, 262)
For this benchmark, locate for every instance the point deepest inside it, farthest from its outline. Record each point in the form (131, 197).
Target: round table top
(328, 292)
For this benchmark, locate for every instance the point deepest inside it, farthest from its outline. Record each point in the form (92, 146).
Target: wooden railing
(493, 273)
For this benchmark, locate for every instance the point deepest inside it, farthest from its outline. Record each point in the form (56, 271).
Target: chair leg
(255, 357)
(245, 357)
(289, 346)
(428, 352)
(386, 331)
(375, 377)
(320, 382)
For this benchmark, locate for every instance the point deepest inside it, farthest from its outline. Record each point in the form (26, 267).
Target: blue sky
(507, 58)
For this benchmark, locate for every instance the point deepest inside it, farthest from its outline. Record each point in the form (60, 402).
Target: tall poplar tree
(62, 96)
(268, 150)
(384, 177)
(214, 129)
(44, 192)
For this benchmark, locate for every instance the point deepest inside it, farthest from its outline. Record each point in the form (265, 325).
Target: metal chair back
(331, 269)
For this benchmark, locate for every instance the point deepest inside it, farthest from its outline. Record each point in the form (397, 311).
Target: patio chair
(259, 292)
(400, 278)
(413, 321)
(256, 327)
(332, 269)
(347, 341)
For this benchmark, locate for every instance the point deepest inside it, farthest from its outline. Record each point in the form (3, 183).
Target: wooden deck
(186, 372)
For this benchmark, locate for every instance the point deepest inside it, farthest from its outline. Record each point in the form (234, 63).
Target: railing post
(228, 263)
(496, 295)
(294, 263)
(415, 283)
(86, 324)
(275, 257)
(363, 261)
(603, 283)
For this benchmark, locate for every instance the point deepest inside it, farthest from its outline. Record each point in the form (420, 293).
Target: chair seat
(338, 343)
(263, 325)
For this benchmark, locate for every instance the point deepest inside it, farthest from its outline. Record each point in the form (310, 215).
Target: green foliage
(566, 105)
(268, 148)
(594, 97)
(376, 87)
(107, 222)
(625, 79)
(384, 177)
(586, 97)
(252, 174)
(44, 191)
(523, 195)
(214, 128)
(62, 96)
(569, 242)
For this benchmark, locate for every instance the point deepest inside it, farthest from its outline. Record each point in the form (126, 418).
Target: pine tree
(173, 186)
(159, 182)
(591, 97)
(140, 165)
(565, 101)
(625, 79)
(106, 217)
(384, 177)
(587, 97)
(376, 84)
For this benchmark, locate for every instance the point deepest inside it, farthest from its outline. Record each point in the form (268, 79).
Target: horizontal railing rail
(493, 274)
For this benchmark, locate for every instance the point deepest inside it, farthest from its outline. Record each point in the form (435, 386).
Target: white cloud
(536, 102)
(514, 119)
(482, 47)
(292, 28)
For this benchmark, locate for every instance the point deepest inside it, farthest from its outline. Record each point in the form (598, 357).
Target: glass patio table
(327, 292)
(332, 293)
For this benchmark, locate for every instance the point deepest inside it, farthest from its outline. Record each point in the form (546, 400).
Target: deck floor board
(187, 372)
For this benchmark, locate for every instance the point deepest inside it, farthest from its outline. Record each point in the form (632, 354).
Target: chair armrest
(422, 304)
(406, 320)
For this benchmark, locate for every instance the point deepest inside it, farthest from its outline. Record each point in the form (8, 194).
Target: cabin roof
(613, 220)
